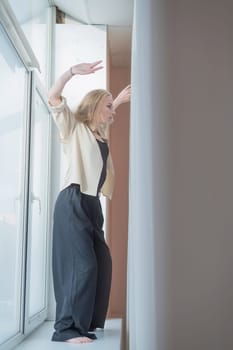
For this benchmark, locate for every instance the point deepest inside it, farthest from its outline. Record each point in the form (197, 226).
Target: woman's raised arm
(123, 97)
(54, 94)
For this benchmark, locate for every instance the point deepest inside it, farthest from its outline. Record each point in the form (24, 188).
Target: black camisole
(104, 153)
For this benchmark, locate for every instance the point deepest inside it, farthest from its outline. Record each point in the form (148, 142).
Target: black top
(104, 153)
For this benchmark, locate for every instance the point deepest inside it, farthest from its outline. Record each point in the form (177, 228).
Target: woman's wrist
(116, 103)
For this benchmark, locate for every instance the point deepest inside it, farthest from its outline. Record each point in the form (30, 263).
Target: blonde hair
(85, 112)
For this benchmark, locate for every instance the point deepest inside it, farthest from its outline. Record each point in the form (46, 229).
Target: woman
(81, 258)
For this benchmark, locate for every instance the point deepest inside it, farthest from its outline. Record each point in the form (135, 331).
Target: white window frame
(30, 323)
(15, 339)
(17, 36)
(19, 42)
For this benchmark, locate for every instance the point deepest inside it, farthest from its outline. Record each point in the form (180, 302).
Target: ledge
(109, 338)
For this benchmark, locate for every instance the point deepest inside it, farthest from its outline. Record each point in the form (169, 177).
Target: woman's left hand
(123, 96)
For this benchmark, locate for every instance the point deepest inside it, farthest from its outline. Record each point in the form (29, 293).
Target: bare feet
(79, 340)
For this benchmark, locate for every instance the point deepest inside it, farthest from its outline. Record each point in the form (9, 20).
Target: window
(24, 183)
(13, 86)
(38, 197)
(33, 17)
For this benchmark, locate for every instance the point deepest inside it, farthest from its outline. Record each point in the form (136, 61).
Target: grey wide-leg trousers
(82, 265)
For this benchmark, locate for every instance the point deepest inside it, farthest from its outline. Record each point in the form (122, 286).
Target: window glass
(38, 195)
(12, 176)
(33, 18)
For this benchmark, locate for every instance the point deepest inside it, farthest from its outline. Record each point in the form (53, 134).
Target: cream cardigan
(84, 160)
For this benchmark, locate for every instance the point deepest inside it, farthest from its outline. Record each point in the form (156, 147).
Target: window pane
(38, 206)
(33, 18)
(12, 102)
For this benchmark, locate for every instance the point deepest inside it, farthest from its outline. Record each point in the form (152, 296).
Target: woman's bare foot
(79, 340)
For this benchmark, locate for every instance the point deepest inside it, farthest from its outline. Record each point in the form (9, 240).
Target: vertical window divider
(27, 203)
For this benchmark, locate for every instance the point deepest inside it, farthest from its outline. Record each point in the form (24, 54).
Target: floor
(109, 339)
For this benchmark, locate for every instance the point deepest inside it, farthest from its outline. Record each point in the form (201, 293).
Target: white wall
(148, 263)
(181, 194)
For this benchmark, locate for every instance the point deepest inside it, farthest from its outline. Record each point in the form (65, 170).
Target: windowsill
(108, 339)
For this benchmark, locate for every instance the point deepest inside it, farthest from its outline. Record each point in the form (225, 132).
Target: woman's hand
(85, 68)
(54, 94)
(122, 97)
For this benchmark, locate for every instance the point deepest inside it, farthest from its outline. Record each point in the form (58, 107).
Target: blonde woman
(82, 264)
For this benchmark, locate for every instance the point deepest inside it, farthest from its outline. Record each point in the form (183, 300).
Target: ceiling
(117, 14)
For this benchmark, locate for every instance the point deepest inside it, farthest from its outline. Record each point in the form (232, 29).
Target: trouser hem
(69, 334)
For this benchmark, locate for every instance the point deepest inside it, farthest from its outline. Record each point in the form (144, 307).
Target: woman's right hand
(85, 68)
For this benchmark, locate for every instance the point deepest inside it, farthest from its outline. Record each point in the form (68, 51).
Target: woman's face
(104, 111)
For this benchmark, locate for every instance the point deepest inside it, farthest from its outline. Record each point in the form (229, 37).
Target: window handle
(37, 199)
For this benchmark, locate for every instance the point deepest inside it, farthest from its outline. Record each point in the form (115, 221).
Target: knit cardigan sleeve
(64, 119)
